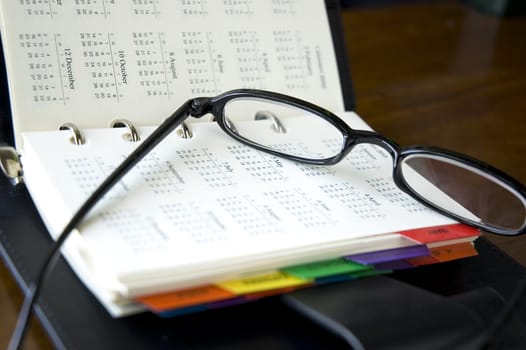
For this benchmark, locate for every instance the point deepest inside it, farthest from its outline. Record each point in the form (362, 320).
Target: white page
(208, 203)
(89, 62)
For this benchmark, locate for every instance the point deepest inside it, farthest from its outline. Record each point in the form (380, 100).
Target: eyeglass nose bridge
(356, 137)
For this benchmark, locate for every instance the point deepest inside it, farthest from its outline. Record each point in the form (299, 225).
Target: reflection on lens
(283, 128)
(464, 191)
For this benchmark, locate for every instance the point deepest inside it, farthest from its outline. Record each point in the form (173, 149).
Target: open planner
(202, 221)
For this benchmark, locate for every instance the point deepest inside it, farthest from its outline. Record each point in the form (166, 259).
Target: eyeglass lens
(465, 191)
(283, 128)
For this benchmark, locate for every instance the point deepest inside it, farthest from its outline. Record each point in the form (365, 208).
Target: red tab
(441, 233)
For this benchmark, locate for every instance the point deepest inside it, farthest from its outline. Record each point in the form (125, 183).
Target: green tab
(324, 268)
(369, 273)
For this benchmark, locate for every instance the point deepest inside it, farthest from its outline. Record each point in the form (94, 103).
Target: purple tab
(393, 265)
(227, 302)
(381, 256)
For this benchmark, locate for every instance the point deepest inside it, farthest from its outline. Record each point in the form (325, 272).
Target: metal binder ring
(276, 123)
(77, 138)
(10, 164)
(184, 131)
(133, 135)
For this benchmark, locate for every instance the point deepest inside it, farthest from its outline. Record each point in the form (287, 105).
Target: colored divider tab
(334, 279)
(272, 292)
(394, 265)
(368, 273)
(386, 255)
(445, 253)
(225, 302)
(441, 233)
(257, 283)
(324, 268)
(349, 276)
(185, 298)
(228, 302)
(453, 251)
(422, 260)
(182, 311)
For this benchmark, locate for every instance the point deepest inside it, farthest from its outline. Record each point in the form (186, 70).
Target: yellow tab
(258, 283)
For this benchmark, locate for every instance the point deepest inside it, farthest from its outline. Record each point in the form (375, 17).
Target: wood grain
(443, 74)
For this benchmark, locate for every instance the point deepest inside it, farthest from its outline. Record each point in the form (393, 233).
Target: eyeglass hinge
(200, 106)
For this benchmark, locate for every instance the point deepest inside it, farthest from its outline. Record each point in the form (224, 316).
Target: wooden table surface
(436, 73)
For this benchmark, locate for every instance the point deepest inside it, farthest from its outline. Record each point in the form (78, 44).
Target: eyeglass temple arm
(197, 107)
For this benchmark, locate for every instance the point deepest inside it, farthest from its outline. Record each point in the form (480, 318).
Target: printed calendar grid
(140, 234)
(387, 188)
(200, 225)
(301, 207)
(361, 204)
(145, 7)
(207, 166)
(152, 63)
(247, 212)
(194, 7)
(257, 164)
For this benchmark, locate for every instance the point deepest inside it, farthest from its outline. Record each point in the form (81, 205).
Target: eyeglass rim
(489, 170)
(353, 137)
(350, 136)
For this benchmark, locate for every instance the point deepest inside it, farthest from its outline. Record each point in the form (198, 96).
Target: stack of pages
(201, 222)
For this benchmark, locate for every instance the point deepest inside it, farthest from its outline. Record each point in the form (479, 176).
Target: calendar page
(209, 208)
(90, 61)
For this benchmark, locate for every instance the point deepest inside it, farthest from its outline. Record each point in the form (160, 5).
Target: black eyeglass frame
(201, 106)
(353, 137)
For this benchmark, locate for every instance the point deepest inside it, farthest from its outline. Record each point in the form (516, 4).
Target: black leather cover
(384, 313)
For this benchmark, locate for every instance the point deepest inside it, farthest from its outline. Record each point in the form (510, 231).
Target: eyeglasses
(453, 184)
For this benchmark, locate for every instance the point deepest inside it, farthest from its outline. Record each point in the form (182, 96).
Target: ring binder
(77, 138)
(133, 135)
(184, 131)
(10, 164)
(276, 123)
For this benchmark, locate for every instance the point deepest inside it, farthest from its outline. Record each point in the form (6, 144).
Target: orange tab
(422, 260)
(185, 297)
(445, 253)
(453, 251)
(441, 233)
